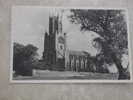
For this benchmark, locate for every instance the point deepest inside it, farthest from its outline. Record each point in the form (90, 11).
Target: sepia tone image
(69, 44)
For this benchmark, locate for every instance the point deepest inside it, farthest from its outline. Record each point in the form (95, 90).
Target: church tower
(55, 43)
(60, 39)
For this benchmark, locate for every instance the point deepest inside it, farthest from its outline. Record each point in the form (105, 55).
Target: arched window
(77, 64)
(85, 63)
(82, 63)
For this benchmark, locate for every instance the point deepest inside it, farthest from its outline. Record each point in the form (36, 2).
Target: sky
(30, 23)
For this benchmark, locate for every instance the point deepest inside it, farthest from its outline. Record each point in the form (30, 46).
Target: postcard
(69, 44)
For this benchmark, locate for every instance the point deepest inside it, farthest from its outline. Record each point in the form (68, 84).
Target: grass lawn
(64, 75)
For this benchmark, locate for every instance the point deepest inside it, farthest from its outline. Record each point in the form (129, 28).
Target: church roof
(78, 53)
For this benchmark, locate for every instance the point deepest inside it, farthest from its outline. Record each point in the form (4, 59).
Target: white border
(72, 81)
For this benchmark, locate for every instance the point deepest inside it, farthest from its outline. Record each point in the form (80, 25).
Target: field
(66, 75)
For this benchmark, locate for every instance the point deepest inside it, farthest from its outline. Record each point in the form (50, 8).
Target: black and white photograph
(62, 44)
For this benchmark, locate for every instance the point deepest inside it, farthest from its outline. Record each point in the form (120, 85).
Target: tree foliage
(23, 58)
(111, 26)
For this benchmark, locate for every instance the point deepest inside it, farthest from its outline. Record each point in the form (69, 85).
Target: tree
(111, 26)
(23, 58)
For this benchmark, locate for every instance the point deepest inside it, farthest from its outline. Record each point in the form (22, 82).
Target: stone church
(56, 54)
